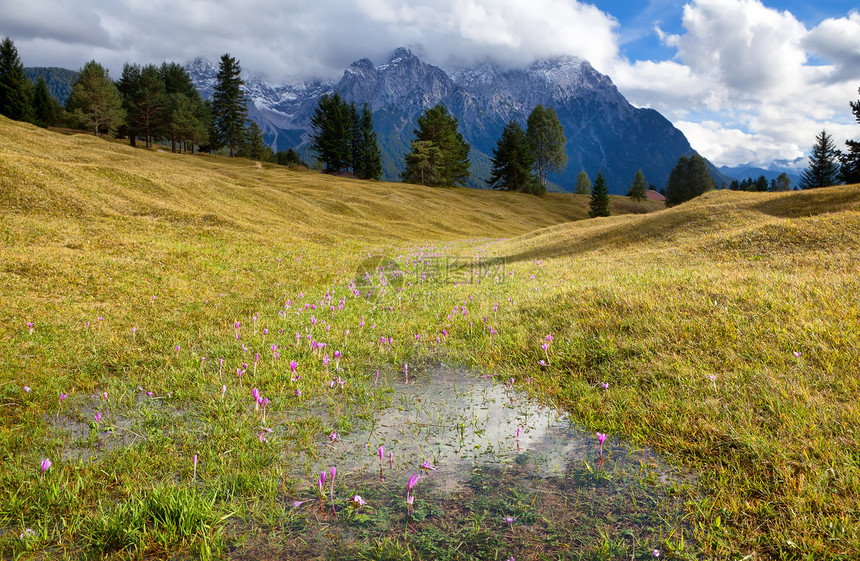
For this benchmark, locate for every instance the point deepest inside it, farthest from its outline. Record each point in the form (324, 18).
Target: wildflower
(63, 396)
(27, 389)
(27, 533)
(46, 463)
(510, 520)
(601, 438)
(358, 502)
(30, 325)
(293, 366)
(412, 481)
(333, 436)
(297, 504)
(797, 354)
(98, 417)
(262, 438)
(604, 385)
(428, 466)
(656, 553)
(321, 483)
(298, 392)
(381, 453)
(541, 362)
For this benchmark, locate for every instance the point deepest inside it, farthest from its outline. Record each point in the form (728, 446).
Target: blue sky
(747, 81)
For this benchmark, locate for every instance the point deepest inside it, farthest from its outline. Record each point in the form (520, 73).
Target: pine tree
(95, 101)
(599, 198)
(254, 145)
(44, 104)
(424, 164)
(129, 86)
(370, 160)
(547, 141)
(439, 128)
(14, 86)
(146, 108)
(513, 162)
(185, 117)
(583, 184)
(639, 188)
(332, 133)
(229, 105)
(823, 170)
(849, 171)
(689, 178)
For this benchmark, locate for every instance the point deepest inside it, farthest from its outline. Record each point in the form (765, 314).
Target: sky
(747, 81)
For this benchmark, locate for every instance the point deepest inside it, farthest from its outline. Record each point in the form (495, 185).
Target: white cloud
(747, 84)
(839, 41)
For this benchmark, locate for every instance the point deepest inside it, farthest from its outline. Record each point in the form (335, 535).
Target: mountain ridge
(605, 132)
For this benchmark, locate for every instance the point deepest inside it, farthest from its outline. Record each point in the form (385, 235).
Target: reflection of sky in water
(457, 421)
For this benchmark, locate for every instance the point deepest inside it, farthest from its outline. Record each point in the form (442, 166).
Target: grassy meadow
(191, 340)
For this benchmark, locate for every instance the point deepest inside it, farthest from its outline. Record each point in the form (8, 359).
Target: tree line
(147, 104)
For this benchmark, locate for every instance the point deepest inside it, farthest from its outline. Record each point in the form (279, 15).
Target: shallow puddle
(456, 422)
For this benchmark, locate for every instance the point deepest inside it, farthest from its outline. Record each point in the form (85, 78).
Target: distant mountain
(605, 133)
(59, 80)
(743, 172)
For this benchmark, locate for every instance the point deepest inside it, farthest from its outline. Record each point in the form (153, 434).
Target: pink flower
(428, 466)
(98, 417)
(601, 438)
(262, 438)
(293, 366)
(27, 389)
(358, 502)
(604, 385)
(63, 396)
(46, 463)
(333, 436)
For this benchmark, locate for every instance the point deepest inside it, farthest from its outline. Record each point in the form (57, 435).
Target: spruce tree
(547, 141)
(513, 162)
(849, 171)
(14, 85)
(599, 198)
(639, 188)
(583, 184)
(44, 104)
(370, 160)
(331, 137)
(424, 164)
(439, 128)
(95, 101)
(823, 170)
(689, 178)
(129, 86)
(184, 117)
(229, 105)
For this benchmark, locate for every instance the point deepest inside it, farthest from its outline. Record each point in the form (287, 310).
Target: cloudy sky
(748, 81)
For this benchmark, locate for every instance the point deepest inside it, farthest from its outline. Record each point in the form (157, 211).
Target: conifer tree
(370, 160)
(546, 137)
(185, 117)
(438, 128)
(95, 101)
(639, 187)
(583, 184)
(599, 198)
(332, 133)
(44, 104)
(513, 162)
(14, 85)
(823, 170)
(424, 164)
(849, 171)
(689, 178)
(129, 86)
(229, 104)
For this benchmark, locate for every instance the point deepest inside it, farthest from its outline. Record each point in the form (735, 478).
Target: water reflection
(457, 421)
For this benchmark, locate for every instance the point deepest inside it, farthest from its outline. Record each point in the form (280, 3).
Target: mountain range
(604, 132)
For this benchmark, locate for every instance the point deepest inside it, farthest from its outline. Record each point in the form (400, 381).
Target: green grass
(726, 328)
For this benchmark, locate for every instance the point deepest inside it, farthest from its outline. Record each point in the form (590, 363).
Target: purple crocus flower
(601, 438)
(46, 463)
(293, 366)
